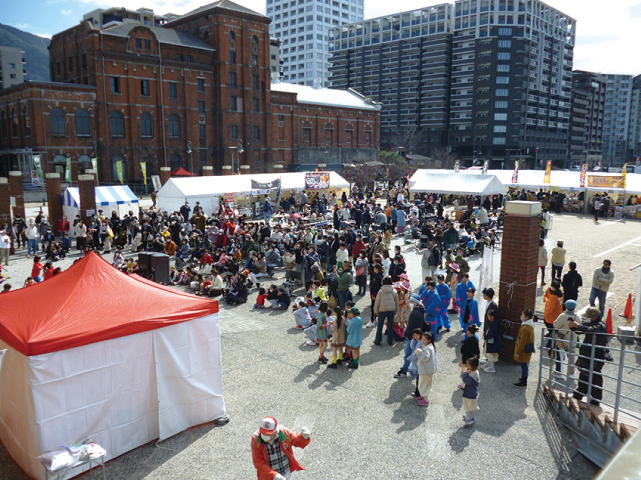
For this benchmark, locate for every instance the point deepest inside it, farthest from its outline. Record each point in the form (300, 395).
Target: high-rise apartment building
(403, 61)
(111, 17)
(12, 70)
(618, 97)
(634, 131)
(586, 118)
(303, 28)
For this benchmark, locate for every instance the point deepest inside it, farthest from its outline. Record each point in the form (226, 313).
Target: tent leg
(222, 420)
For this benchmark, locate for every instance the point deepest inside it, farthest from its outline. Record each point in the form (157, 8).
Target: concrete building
(184, 94)
(275, 63)
(303, 28)
(12, 67)
(634, 131)
(102, 18)
(585, 136)
(403, 61)
(616, 122)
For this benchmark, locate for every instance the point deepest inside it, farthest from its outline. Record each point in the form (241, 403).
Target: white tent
(148, 369)
(208, 190)
(118, 198)
(453, 183)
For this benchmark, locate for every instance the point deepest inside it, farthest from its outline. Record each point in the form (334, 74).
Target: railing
(617, 375)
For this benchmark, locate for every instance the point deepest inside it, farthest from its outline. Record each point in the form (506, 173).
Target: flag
(94, 165)
(119, 171)
(143, 170)
(456, 166)
(278, 192)
(515, 175)
(68, 170)
(485, 167)
(584, 172)
(486, 279)
(624, 174)
(548, 171)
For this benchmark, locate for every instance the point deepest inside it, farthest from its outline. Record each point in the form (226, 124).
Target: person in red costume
(272, 450)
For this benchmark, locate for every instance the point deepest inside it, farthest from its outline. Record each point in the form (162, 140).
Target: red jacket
(288, 439)
(357, 248)
(63, 228)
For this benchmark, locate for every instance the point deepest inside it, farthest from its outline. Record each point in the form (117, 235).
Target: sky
(608, 32)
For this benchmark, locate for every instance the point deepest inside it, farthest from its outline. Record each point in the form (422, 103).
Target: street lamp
(239, 150)
(191, 166)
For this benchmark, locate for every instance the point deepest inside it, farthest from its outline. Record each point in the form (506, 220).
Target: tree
(443, 158)
(364, 170)
(394, 165)
(409, 138)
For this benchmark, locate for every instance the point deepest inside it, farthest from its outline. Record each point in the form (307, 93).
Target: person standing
(445, 294)
(32, 234)
(524, 347)
(558, 260)
(272, 451)
(571, 283)
(5, 247)
(385, 307)
(19, 227)
(601, 281)
(63, 226)
(80, 231)
(543, 260)
(595, 334)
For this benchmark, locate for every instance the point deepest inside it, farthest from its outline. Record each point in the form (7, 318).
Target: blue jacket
(431, 301)
(461, 293)
(471, 382)
(444, 293)
(492, 337)
(414, 344)
(474, 311)
(354, 333)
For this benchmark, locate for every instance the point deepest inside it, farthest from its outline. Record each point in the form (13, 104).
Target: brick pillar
(227, 170)
(54, 200)
(94, 173)
(244, 169)
(519, 268)
(15, 188)
(165, 174)
(208, 171)
(5, 205)
(87, 193)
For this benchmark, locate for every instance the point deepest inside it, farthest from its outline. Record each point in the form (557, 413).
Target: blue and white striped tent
(117, 198)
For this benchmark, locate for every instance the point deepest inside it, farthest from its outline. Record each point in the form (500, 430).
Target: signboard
(90, 212)
(229, 198)
(548, 172)
(155, 181)
(584, 172)
(265, 186)
(316, 180)
(606, 182)
(12, 201)
(515, 174)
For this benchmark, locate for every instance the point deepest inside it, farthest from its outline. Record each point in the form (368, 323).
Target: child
(403, 312)
(37, 268)
(302, 317)
(415, 343)
(354, 336)
(470, 347)
(338, 338)
(260, 299)
(272, 295)
(321, 331)
(471, 310)
(524, 347)
(427, 366)
(492, 338)
(471, 380)
(283, 299)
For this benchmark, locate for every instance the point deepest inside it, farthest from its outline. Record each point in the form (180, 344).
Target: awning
(458, 184)
(115, 195)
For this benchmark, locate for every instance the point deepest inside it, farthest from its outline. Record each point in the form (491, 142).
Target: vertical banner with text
(515, 174)
(68, 170)
(584, 173)
(548, 172)
(119, 171)
(143, 171)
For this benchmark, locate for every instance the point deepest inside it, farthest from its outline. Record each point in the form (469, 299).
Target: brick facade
(54, 194)
(87, 194)
(519, 268)
(206, 73)
(16, 191)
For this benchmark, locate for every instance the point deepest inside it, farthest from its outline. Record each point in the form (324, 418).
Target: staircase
(599, 430)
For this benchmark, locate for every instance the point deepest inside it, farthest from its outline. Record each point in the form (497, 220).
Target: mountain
(34, 48)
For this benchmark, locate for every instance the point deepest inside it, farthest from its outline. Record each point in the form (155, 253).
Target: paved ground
(364, 423)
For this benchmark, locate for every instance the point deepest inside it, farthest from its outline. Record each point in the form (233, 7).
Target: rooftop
(224, 4)
(326, 96)
(168, 36)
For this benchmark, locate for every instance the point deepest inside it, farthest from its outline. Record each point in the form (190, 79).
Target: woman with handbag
(361, 272)
(525, 345)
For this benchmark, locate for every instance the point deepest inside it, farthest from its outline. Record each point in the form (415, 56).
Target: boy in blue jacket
(471, 380)
(354, 335)
(461, 297)
(432, 303)
(471, 310)
(445, 294)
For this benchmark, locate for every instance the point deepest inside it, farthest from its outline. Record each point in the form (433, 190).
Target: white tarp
(458, 184)
(121, 393)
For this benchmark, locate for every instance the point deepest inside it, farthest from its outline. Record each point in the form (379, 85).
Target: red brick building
(182, 94)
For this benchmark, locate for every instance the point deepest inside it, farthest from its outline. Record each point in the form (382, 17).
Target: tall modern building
(12, 70)
(586, 118)
(303, 28)
(110, 17)
(634, 131)
(403, 61)
(618, 97)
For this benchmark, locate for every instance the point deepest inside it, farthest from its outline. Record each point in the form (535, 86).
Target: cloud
(66, 12)
(22, 26)
(43, 35)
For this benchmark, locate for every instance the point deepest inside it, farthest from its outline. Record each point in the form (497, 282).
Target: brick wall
(87, 193)
(54, 200)
(165, 174)
(15, 189)
(519, 265)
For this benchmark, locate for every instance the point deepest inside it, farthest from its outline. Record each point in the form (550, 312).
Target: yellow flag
(624, 174)
(143, 170)
(119, 170)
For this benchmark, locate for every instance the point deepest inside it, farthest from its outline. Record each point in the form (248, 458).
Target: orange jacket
(288, 439)
(553, 306)
(170, 248)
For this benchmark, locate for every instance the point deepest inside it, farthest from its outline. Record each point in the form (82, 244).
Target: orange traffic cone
(627, 311)
(608, 322)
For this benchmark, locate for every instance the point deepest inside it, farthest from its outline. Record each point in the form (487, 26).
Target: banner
(143, 170)
(616, 181)
(36, 173)
(155, 181)
(486, 279)
(548, 171)
(119, 171)
(485, 167)
(515, 175)
(456, 166)
(68, 170)
(94, 165)
(278, 189)
(316, 180)
(624, 174)
(265, 186)
(584, 172)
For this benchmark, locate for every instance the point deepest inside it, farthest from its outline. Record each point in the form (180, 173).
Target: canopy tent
(208, 190)
(181, 172)
(141, 363)
(118, 198)
(453, 183)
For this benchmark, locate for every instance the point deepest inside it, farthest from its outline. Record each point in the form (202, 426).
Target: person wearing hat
(595, 333)
(562, 333)
(354, 338)
(470, 310)
(272, 451)
(451, 279)
(558, 260)
(415, 321)
(445, 294)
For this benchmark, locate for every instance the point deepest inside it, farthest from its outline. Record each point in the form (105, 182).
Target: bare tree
(443, 158)
(364, 170)
(395, 165)
(410, 138)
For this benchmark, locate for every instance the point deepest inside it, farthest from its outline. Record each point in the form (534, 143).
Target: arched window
(146, 125)
(83, 123)
(84, 163)
(14, 122)
(58, 122)
(3, 120)
(25, 121)
(174, 162)
(255, 41)
(117, 124)
(232, 36)
(174, 126)
(114, 169)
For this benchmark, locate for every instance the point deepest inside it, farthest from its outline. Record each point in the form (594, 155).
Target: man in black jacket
(595, 333)
(416, 320)
(375, 283)
(571, 283)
